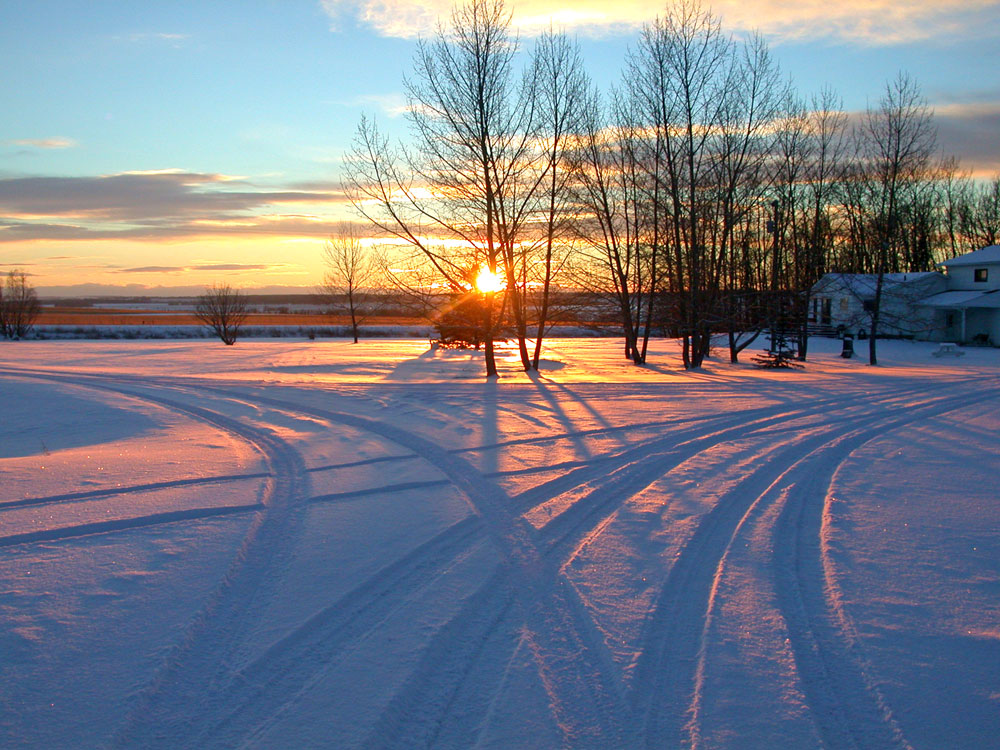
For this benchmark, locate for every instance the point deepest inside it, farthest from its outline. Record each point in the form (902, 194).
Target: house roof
(984, 255)
(864, 283)
(956, 300)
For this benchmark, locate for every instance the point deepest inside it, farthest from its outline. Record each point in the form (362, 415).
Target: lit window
(981, 274)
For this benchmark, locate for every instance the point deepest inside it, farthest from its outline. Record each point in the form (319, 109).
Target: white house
(962, 304)
(843, 302)
(972, 299)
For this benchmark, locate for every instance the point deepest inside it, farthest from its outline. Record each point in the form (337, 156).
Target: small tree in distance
(351, 273)
(223, 309)
(18, 306)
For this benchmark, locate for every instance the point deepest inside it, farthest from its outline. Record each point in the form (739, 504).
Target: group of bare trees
(701, 196)
(19, 305)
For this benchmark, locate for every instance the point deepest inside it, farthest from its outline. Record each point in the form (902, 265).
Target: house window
(845, 306)
(868, 305)
(980, 274)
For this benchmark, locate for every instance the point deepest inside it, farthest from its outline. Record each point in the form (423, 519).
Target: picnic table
(948, 349)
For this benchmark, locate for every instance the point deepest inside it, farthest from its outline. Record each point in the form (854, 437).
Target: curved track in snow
(776, 473)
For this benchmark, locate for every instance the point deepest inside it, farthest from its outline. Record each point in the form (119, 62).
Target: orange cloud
(864, 21)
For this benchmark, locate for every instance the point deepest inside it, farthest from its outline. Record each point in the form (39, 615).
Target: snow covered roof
(988, 254)
(864, 283)
(962, 299)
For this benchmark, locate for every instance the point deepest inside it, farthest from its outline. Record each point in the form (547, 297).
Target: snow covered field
(297, 544)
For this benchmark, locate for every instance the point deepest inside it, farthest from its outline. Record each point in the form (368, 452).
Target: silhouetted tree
(897, 140)
(458, 194)
(224, 310)
(351, 277)
(19, 306)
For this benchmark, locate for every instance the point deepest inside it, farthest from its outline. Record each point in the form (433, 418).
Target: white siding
(963, 278)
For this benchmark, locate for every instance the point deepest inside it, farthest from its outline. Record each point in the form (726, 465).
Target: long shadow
(560, 414)
(489, 460)
(585, 403)
(409, 367)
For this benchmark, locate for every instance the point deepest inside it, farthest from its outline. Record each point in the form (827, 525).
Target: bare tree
(459, 194)
(897, 141)
(754, 102)
(561, 91)
(610, 207)
(19, 306)
(689, 70)
(981, 220)
(827, 130)
(224, 310)
(351, 277)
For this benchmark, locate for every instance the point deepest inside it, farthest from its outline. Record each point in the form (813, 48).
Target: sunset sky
(151, 148)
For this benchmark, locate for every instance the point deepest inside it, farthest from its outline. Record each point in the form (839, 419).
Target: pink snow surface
(318, 544)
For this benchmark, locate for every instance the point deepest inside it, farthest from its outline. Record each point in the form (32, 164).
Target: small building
(962, 304)
(971, 302)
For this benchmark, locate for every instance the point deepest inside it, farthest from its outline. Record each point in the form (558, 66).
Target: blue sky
(172, 144)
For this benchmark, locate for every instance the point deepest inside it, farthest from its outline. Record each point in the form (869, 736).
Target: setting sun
(488, 281)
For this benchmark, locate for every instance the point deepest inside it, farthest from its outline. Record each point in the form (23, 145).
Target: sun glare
(488, 281)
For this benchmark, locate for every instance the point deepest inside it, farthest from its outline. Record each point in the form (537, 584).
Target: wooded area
(703, 195)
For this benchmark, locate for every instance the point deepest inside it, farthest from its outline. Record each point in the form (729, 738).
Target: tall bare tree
(898, 138)
(827, 130)
(458, 195)
(755, 101)
(560, 95)
(689, 63)
(610, 205)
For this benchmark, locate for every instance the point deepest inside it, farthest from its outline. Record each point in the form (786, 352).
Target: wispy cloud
(392, 105)
(237, 267)
(155, 37)
(55, 142)
(153, 269)
(160, 204)
(862, 21)
(205, 267)
(969, 130)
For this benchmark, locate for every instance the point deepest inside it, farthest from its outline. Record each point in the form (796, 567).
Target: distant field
(90, 316)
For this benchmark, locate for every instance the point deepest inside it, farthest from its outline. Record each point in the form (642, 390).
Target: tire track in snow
(670, 672)
(417, 710)
(260, 693)
(828, 650)
(642, 467)
(124, 524)
(70, 497)
(570, 611)
(265, 684)
(417, 716)
(185, 690)
(709, 431)
(585, 698)
(410, 710)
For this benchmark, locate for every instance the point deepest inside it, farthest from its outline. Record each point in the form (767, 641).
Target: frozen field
(295, 544)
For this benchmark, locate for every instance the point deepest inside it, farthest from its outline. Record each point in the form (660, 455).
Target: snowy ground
(296, 544)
